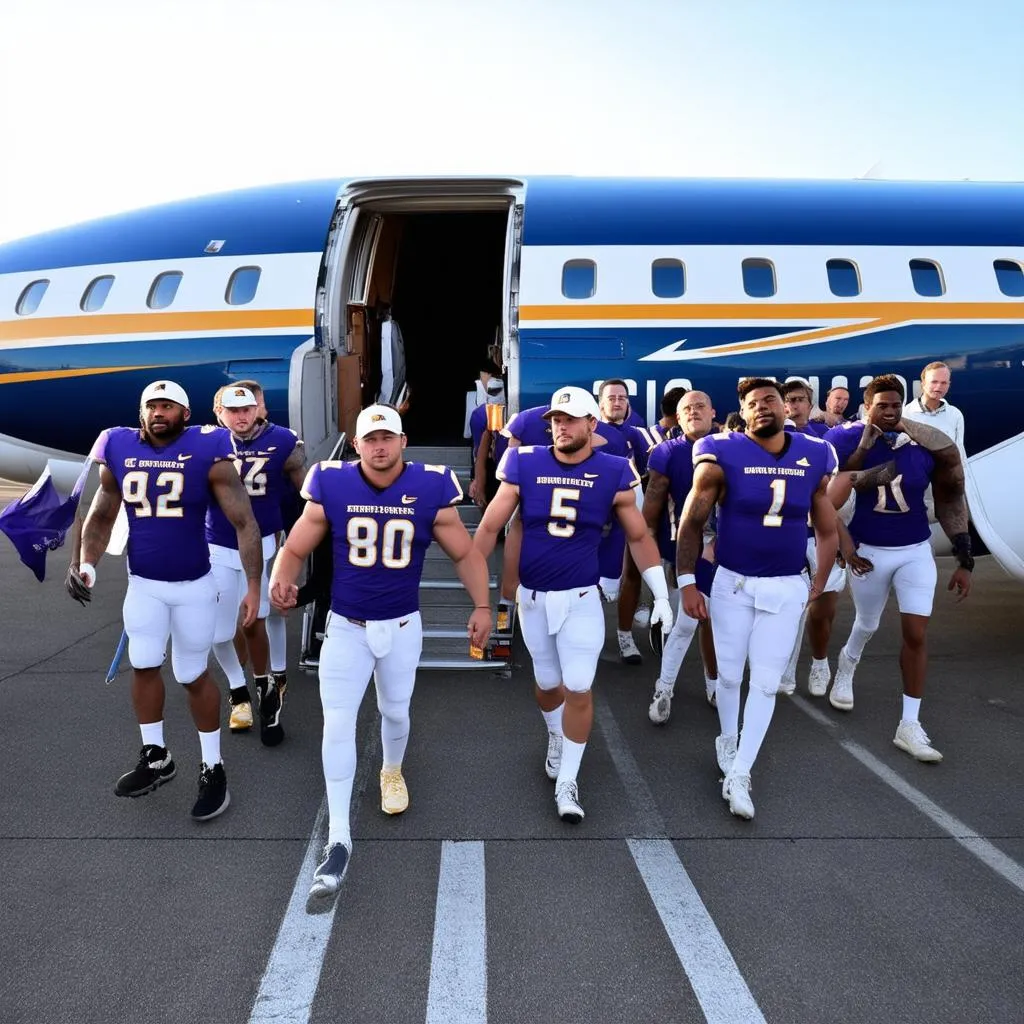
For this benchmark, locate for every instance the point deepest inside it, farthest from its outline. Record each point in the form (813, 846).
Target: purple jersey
(564, 509)
(810, 428)
(634, 419)
(638, 443)
(673, 459)
(762, 520)
(260, 463)
(477, 426)
(894, 515)
(379, 537)
(166, 492)
(529, 427)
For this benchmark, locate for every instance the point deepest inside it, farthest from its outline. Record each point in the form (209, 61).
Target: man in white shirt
(933, 409)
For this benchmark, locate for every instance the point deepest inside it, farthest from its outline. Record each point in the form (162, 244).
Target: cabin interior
(440, 277)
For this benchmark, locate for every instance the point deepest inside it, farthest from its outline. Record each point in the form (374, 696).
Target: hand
(284, 596)
(662, 612)
(871, 434)
(479, 627)
(75, 584)
(251, 604)
(857, 565)
(960, 581)
(472, 489)
(816, 590)
(693, 602)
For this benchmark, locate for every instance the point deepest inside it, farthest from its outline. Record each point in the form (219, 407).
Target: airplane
(659, 282)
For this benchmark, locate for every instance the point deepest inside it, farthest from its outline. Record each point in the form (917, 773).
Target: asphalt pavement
(868, 887)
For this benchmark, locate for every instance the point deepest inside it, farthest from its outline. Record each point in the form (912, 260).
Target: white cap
(164, 390)
(573, 402)
(378, 417)
(237, 398)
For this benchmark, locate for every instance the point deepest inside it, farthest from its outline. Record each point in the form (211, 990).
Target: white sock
(911, 708)
(757, 716)
(277, 635)
(710, 685)
(210, 743)
(728, 704)
(230, 665)
(553, 719)
(674, 649)
(859, 636)
(625, 636)
(152, 733)
(339, 799)
(819, 662)
(572, 756)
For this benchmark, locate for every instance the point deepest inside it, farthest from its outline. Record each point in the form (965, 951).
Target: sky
(109, 105)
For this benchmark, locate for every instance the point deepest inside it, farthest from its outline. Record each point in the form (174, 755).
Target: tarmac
(868, 888)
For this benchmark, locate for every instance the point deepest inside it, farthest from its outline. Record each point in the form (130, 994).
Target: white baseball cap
(237, 398)
(573, 402)
(164, 390)
(378, 417)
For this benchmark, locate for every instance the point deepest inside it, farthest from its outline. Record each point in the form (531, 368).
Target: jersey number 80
(395, 538)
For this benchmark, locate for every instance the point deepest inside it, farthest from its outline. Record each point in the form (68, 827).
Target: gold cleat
(394, 797)
(241, 717)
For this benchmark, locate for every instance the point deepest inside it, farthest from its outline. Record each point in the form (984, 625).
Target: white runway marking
(289, 983)
(458, 964)
(964, 835)
(717, 982)
(713, 973)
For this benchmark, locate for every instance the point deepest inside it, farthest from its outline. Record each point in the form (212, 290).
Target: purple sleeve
(630, 478)
(477, 423)
(514, 427)
(640, 442)
(508, 468)
(659, 458)
(831, 459)
(98, 452)
(311, 485)
(705, 450)
(844, 439)
(451, 489)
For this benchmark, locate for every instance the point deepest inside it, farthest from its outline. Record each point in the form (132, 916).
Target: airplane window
(96, 294)
(242, 286)
(579, 279)
(31, 296)
(163, 290)
(927, 278)
(759, 278)
(843, 277)
(668, 278)
(1010, 276)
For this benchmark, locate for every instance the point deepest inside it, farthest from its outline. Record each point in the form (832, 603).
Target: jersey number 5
(134, 489)
(563, 516)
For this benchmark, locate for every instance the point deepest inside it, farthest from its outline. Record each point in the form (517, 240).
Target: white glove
(88, 573)
(662, 612)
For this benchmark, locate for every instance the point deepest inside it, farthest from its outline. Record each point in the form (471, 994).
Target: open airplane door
(995, 496)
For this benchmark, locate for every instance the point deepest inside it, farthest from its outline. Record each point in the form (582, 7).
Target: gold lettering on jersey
(565, 481)
(155, 463)
(774, 471)
(382, 510)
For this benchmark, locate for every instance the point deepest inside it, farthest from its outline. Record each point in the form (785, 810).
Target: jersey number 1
(772, 517)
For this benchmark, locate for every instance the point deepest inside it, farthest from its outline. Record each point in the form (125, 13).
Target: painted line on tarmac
(292, 974)
(962, 833)
(290, 980)
(970, 840)
(705, 958)
(716, 979)
(651, 823)
(458, 962)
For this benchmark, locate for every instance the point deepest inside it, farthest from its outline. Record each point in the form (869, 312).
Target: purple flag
(39, 520)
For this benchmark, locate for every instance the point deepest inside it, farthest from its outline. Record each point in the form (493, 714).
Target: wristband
(686, 580)
(654, 577)
(486, 607)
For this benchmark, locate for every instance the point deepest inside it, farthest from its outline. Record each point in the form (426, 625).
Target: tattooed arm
(100, 520)
(229, 493)
(295, 467)
(708, 487)
(654, 499)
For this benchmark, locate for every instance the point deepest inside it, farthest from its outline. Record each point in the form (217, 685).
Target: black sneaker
(327, 879)
(269, 697)
(155, 767)
(281, 680)
(213, 796)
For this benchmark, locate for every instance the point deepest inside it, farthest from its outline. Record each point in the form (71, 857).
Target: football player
(566, 494)
(165, 474)
(382, 514)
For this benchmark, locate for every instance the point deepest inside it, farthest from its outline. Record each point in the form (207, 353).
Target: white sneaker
(567, 799)
(553, 758)
(841, 694)
(820, 677)
(661, 706)
(911, 737)
(328, 877)
(642, 617)
(787, 685)
(725, 751)
(628, 650)
(736, 791)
